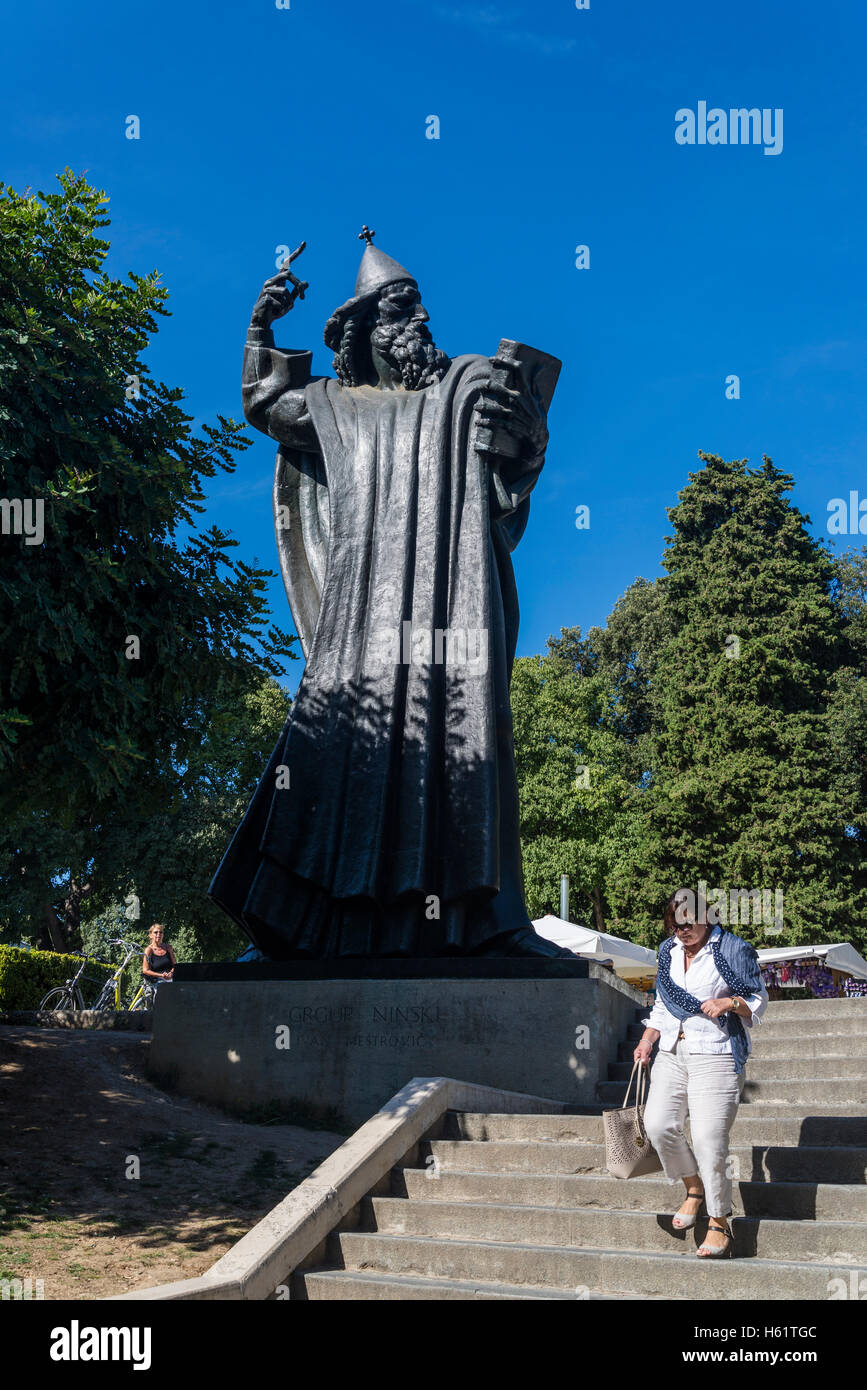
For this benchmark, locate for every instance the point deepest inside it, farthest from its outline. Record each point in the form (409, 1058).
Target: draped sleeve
(272, 387)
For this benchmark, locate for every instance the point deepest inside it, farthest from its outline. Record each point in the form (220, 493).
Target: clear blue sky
(261, 126)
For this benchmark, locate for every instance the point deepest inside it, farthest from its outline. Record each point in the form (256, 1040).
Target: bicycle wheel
(61, 999)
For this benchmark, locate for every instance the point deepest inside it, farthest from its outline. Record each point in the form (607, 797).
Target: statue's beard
(410, 352)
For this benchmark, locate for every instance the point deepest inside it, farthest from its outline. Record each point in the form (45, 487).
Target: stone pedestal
(331, 1043)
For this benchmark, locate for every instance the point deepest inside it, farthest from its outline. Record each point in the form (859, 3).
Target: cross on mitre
(366, 235)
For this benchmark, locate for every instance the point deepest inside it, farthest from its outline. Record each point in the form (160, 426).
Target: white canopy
(629, 961)
(838, 955)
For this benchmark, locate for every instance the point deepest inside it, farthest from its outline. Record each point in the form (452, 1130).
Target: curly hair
(352, 361)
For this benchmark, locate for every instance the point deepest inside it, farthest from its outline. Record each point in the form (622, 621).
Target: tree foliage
(130, 625)
(729, 699)
(573, 795)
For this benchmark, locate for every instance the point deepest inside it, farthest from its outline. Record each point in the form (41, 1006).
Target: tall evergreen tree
(849, 702)
(745, 791)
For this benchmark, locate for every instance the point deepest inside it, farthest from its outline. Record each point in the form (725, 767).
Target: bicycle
(68, 996)
(110, 996)
(143, 999)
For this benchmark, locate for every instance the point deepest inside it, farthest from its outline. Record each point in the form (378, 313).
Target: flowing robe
(386, 822)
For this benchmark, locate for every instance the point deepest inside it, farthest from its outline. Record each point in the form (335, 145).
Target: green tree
(165, 861)
(588, 704)
(574, 800)
(624, 654)
(848, 709)
(116, 630)
(745, 790)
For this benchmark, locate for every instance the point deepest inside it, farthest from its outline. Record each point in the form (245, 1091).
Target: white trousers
(707, 1088)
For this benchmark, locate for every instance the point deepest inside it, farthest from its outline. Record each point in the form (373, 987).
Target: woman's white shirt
(703, 981)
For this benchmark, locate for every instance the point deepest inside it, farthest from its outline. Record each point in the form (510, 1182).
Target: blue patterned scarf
(737, 962)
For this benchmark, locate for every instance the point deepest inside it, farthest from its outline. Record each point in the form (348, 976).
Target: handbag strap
(640, 1093)
(641, 1085)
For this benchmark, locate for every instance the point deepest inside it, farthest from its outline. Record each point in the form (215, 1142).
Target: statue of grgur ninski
(386, 822)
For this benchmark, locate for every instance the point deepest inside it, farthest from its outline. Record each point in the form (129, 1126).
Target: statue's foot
(523, 942)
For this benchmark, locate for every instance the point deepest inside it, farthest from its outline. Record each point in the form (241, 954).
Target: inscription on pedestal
(370, 1016)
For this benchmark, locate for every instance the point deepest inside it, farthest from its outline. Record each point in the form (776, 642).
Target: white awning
(629, 961)
(837, 955)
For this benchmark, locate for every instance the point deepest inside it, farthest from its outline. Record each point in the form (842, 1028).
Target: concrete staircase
(521, 1206)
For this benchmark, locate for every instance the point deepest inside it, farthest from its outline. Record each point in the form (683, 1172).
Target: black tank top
(159, 961)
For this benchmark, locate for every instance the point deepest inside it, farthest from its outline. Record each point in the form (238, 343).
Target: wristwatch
(736, 1001)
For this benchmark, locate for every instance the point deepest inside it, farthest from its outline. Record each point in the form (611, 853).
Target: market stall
(831, 970)
(636, 964)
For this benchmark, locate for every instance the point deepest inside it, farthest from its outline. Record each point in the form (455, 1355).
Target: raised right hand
(275, 300)
(276, 297)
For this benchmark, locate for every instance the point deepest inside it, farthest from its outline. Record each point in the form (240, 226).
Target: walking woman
(709, 993)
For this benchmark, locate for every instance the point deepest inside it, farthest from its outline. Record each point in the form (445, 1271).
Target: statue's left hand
(520, 413)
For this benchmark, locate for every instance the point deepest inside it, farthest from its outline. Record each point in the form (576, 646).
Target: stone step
(816, 1163)
(818, 1008)
(588, 1129)
(850, 1047)
(554, 1266)
(802, 1008)
(557, 1128)
(841, 1242)
(811, 1131)
(791, 1029)
(797, 1091)
(780, 1110)
(357, 1284)
(802, 1093)
(786, 1068)
(853, 1069)
(801, 1201)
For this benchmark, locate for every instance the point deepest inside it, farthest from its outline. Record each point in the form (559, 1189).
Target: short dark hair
(668, 916)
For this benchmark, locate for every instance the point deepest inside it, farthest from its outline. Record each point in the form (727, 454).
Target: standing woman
(709, 992)
(159, 960)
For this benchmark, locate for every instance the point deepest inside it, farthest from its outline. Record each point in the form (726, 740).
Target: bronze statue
(386, 823)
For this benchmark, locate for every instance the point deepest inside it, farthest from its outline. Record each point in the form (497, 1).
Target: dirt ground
(76, 1111)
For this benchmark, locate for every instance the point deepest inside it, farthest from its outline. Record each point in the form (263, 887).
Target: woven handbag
(628, 1151)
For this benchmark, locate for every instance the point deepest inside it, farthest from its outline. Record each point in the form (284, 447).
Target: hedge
(27, 976)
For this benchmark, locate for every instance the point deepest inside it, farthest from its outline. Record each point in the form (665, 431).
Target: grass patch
(19, 1209)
